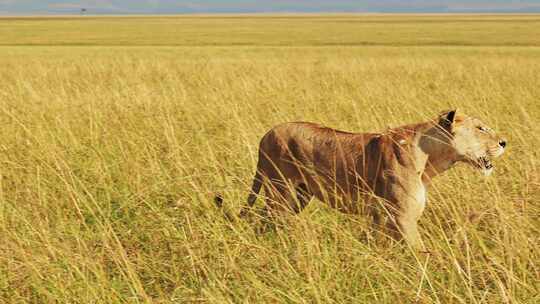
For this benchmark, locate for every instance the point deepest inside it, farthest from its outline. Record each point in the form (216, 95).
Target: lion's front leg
(408, 206)
(406, 228)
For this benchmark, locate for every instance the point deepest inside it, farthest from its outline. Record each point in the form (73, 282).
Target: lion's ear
(447, 118)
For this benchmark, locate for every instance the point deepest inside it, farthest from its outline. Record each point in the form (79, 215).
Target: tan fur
(356, 171)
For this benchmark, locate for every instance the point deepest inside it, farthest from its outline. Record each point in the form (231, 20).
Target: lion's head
(471, 141)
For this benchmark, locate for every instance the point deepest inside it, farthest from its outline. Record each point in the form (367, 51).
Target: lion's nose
(502, 143)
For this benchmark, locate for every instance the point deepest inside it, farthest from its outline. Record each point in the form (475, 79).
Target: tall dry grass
(110, 157)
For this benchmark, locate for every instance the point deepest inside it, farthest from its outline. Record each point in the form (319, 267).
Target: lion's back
(311, 143)
(296, 136)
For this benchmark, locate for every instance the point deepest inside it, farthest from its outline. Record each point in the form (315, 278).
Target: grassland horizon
(117, 132)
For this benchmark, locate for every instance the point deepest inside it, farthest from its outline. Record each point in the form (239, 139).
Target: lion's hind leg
(277, 199)
(280, 196)
(303, 197)
(282, 199)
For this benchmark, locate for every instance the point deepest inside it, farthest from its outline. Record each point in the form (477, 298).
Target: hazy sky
(231, 6)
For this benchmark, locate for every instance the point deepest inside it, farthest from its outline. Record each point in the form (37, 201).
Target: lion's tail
(255, 189)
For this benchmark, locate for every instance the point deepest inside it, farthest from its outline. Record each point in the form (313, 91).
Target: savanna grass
(111, 156)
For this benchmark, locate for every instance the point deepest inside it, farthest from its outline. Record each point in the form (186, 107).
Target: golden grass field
(116, 133)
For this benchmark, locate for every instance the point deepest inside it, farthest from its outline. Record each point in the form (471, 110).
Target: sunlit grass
(111, 156)
(275, 30)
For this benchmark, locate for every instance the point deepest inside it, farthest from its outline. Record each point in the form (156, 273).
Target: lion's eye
(482, 129)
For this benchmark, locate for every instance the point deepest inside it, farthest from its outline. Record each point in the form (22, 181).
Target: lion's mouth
(484, 163)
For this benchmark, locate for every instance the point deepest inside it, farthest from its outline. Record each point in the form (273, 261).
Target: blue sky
(242, 6)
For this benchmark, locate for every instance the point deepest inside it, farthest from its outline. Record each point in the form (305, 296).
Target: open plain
(117, 131)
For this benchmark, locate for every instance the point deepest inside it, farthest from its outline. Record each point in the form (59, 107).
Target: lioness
(299, 161)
